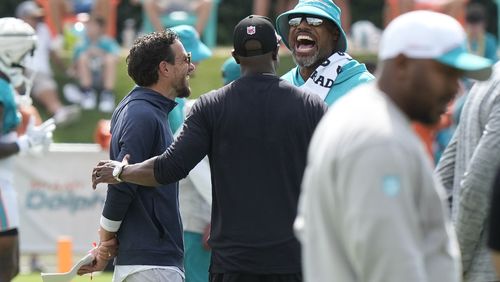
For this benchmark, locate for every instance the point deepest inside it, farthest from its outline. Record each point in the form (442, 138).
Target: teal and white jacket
(352, 74)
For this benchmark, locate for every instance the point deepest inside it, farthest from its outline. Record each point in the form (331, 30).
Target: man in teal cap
(199, 52)
(312, 31)
(230, 70)
(195, 195)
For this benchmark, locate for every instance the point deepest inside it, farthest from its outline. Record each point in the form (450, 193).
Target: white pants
(154, 275)
(147, 273)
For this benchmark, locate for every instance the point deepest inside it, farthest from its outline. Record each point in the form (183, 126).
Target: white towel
(321, 80)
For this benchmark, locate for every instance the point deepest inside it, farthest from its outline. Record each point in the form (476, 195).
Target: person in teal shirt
(158, 14)
(195, 189)
(480, 42)
(312, 31)
(199, 52)
(17, 41)
(230, 70)
(96, 59)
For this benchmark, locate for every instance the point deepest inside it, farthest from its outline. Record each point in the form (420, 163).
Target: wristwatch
(117, 171)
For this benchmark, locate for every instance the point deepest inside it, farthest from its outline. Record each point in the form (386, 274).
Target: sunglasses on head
(295, 21)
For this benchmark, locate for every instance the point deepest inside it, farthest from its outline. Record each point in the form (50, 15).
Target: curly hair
(147, 53)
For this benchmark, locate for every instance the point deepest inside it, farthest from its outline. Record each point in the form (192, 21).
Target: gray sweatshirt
(467, 170)
(371, 209)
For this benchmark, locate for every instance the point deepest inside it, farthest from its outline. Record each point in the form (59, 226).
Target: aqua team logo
(391, 185)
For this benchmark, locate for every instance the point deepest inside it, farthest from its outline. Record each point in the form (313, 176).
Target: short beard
(183, 92)
(305, 62)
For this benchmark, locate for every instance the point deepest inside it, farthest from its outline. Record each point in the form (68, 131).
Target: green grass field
(99, 277)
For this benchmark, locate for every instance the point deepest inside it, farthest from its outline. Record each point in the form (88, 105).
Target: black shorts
(243, 277)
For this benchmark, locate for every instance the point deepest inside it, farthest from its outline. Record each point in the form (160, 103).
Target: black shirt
(256, 132)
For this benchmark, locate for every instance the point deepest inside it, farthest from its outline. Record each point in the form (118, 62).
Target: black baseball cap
(257, 28)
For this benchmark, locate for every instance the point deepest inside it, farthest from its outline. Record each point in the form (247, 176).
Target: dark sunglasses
(310, 21)
(188, 58)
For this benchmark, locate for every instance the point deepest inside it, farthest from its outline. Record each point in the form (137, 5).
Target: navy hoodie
(151, 228)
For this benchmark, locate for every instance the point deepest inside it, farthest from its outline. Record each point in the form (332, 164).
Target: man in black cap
(255, 132)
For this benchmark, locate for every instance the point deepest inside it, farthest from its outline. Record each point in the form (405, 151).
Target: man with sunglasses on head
(145, 221)
(255, 131)
(312, 31)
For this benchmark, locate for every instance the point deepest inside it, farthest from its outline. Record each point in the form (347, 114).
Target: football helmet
(17, 40)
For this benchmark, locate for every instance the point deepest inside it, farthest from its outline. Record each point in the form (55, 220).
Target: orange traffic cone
(102, 136)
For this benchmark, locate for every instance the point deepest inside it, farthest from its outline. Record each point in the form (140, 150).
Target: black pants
(243, 277)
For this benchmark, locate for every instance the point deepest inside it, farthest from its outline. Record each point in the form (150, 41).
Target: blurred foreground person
(371, 209)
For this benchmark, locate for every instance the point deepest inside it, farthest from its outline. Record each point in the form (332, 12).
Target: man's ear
(235, 57)
(401, 69)
(402, 63)
(336, 33)
(164, 68)
(275, 54)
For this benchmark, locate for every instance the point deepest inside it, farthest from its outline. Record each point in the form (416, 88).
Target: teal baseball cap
(473, 66)
(230, 70)
(325, 9)
(190, 38)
